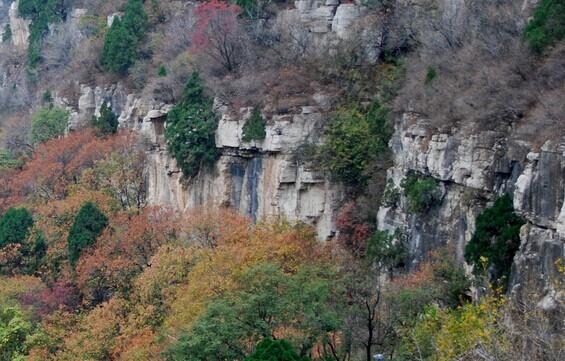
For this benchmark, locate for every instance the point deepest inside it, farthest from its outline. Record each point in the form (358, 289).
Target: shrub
(107, 122)
(88, 225)
(497, 237)
(353, 140)
(274, 350)
(48, 123)
(191, 127)
(14, 226)
(421, 193)
(254, 127)
(547, 25)
(16, 332)
(162, 71)
(431, 74)
(121, 41)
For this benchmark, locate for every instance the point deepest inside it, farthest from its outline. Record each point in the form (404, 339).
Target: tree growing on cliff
(191, 127)
(254, 127)
(107, 122)
(496, 239)
(88, 225)
(547, 25)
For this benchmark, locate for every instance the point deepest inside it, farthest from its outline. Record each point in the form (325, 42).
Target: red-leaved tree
(218, 33)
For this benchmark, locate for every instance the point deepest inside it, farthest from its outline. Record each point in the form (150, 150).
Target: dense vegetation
(420, 192)
(191, 127)
(122, 39)
(353, 140)
(48, 123)
(496, 239)
(547, 25)
(90, 271)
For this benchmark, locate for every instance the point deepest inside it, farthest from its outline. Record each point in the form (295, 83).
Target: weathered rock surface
(19, 27)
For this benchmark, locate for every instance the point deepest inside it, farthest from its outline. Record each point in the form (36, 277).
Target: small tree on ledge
(254, 127)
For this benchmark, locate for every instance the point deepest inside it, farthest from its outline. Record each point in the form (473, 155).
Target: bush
(48, 123)
(107, 122)
(274, 350)
(123, 38)
(431, 74)
(162, 71)
(547, 25)
(14, 226)
(387, 250)
(496, 238)
(353, 140)
(254, 127)
(88, 225)
(191, 127)
(421, 193)
(15, 331)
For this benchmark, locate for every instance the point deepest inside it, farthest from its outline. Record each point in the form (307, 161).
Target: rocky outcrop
(19, 27)
(261, 179)
(472, 170)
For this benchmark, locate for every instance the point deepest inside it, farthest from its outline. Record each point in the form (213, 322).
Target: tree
(547, 25)
(88, 225)
(48, 123)
(218, 34)
(254, 127)
(107, 122)
(119, 51)
(268, 303)
(14, 334)
(421, 192)
(191, 127)
(14, 226)
(274, 350)
(496, 239)
(123, 38)
(353, 140)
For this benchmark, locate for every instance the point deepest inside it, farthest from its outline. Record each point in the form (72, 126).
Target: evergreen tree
(88, 225)
(122, 40)
(497, 238)
(14, 226)
(254, 127)
(191, 127)
(119, 50)
(107, 122)
(135, 19)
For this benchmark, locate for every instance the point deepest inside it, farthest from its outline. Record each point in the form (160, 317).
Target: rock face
(472, 170)
(260, 179)
(19, 26)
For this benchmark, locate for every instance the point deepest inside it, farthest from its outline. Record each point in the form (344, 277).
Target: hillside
(273, 180)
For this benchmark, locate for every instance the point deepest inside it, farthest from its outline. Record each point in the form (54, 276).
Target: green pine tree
(254, 127)
(15, 226)
(122, 40)
(191, 127)
(107, 122)
(88, 225)
(119, 51)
